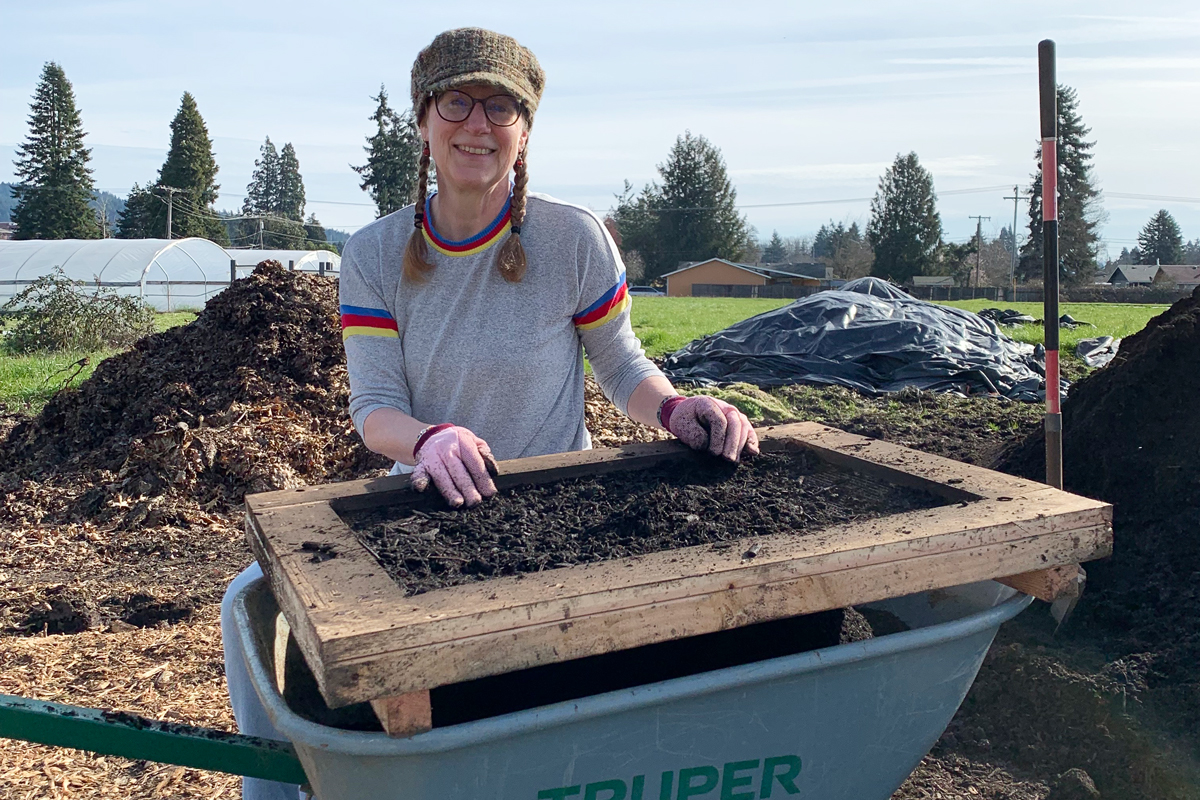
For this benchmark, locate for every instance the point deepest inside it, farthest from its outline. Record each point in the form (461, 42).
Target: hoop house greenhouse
(166, 274)
(323, 262)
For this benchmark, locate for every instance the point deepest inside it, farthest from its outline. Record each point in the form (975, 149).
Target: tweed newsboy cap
(474, 55)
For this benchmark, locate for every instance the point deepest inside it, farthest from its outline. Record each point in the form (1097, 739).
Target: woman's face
(473, 155)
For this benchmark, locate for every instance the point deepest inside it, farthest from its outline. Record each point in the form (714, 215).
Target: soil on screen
(696, 500)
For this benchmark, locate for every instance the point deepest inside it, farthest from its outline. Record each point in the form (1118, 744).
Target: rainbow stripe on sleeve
(359, 321)
(604, 310)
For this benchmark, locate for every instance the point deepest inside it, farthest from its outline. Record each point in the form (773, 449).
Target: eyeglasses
(502, 110)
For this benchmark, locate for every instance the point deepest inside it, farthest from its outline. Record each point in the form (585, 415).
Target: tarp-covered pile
(869, 336)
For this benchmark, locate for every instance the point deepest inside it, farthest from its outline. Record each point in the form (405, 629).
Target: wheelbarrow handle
(131, 736)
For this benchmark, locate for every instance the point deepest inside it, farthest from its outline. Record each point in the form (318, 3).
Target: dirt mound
(250, 396)
(1131, 437)
(1131, 434)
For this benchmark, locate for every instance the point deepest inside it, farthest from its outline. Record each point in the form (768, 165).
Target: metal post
(321, 268)
(1048, 88)
(232, 270)
(291, 266)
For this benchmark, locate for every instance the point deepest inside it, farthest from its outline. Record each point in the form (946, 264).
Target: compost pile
(1131, 437)
(699, 500)
(250, 396)
(870, 337)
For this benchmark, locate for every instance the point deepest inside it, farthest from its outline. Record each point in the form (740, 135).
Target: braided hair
(416, 255)
(511, 259)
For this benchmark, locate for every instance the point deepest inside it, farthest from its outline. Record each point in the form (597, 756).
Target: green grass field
(27, 382)
(1107, 319)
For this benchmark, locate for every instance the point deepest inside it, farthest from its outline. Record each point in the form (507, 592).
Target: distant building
(1132, 275)
(720, 272)
(933, 280)
(1182, 276)
(7, 230)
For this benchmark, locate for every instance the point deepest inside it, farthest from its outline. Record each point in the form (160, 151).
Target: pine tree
(691, 216)
(393, 153)
(291, 186)
(54, 181)
(137, 218)
(905, 230)
(262, 193)
(775, 252)
(191, 169)
(1078, 202)
(1161, 241)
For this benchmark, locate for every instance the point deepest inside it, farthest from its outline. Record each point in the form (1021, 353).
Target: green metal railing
(131, 736)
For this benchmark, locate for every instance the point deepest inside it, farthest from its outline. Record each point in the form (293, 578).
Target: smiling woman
(470, 346)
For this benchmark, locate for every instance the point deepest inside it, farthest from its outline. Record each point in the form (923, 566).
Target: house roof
(788, 270)
(1182, 274)
(1135, 273)
(746, 267)
(817, 271)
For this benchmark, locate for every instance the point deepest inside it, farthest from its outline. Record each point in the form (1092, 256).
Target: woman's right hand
(459, 463)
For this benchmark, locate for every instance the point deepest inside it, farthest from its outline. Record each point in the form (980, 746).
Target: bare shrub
(55, 314)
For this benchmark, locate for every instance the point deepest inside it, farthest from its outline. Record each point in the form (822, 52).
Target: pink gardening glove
(458, 462)
(706, 423)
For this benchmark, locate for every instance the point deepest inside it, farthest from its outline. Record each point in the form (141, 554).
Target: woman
(463, 315)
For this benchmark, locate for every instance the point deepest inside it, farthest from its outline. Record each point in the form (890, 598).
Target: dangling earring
(425, 149)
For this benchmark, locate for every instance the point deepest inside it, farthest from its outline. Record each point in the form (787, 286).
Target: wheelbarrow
(847, 721)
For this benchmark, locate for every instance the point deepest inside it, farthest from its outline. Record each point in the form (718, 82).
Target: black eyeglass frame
(474, 101)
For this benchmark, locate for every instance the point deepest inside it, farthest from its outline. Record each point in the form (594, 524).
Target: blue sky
(809, 102)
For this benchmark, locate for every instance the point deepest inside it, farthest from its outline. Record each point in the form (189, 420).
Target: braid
(511, 261)
(416, 254)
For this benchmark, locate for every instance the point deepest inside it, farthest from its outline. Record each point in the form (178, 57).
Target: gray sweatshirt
(468, 347)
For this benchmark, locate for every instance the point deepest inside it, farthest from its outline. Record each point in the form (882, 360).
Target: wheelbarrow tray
(849, 721)
(364, 640)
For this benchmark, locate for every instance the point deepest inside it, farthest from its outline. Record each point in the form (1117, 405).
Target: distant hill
(110, 202)
(334, 236)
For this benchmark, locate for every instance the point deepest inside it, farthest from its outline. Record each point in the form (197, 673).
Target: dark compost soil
(1131, 437)
(692, 501)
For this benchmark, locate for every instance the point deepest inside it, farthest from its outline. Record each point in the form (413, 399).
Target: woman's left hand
(706, 423)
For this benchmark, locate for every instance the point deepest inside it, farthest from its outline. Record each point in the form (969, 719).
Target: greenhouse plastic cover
(869, 336)
(163, 272)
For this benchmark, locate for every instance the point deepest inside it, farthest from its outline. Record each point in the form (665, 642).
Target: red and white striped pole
(1048, 91)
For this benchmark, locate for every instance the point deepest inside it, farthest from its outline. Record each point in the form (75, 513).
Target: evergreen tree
(1078, 202)
(1191, 252)
(291, 186)
(393, 153)
(905, 230)
(136, 219)
(263, 191)
(191, 169)
(1160, 241)
(775, 252)
(691, 216)
(54, 181)
(834, 237)
(1006, 239)
(315, 231)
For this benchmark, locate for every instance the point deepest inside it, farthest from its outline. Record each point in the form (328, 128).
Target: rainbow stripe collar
(493, 233)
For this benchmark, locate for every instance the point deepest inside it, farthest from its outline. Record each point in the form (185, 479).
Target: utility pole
(978, 247)
(170, 190)
(1012, 272)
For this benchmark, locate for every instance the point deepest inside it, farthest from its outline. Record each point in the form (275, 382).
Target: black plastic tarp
(868, 336)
